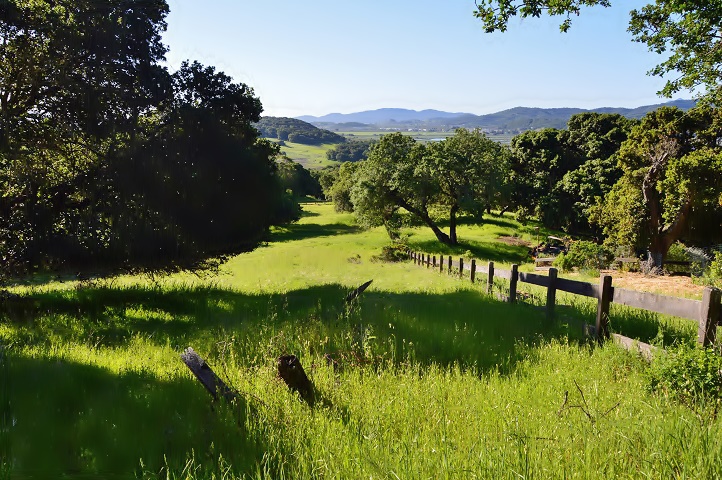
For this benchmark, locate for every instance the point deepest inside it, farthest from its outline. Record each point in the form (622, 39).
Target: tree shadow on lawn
(71, 419)
(310, 230)
(465, 327)
(482, 251)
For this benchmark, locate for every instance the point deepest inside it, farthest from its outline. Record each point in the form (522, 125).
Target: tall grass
(430, 378)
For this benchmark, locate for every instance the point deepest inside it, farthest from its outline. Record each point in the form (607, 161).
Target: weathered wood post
(461, 267)
(512, 283)
(473, 270)
(441, 263)
(605, 298)
(428, 261)
(490, 279)
(450, 265)
(423, 259)
(434, 258)
(709, 314)
(551, 292)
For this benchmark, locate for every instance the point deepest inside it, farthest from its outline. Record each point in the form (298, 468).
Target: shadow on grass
(71, 419)
(310, 230)
(464, 327)
(482, 251)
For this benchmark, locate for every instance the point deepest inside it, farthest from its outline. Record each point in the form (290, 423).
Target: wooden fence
(707, 312)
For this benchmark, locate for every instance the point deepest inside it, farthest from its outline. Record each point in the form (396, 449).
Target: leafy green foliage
(396, 252)
(690, 374)
(340, 191)
(350, 151)
(672, 171)
(463, 173)
(296, 131)
(295, 178)
(107, 160)
(584, 255)
(558, 174)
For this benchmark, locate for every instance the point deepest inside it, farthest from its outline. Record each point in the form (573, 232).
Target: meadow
(310, 156)
(504, 139)
(433, 377)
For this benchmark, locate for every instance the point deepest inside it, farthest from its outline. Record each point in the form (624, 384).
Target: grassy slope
(439, 380)
(504, 139)
(310, 156)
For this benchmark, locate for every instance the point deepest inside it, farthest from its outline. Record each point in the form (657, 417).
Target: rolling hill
(513, 120)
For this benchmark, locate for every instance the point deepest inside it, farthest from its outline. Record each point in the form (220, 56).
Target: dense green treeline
(109, 159)
(638, 186)
(296, 131)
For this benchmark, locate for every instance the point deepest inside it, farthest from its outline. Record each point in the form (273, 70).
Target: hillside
(513, 120)
(296, 131)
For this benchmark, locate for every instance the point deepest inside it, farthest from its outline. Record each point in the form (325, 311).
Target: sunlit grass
(435, 379)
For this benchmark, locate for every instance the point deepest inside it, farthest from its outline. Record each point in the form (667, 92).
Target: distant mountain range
(513, 120)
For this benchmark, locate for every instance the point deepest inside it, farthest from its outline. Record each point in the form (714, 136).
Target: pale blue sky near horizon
(325, 56)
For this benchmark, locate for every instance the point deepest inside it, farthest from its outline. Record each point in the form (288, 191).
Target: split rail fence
(707, 312)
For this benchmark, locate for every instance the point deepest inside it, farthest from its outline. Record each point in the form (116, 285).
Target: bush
(584, 255)
(689, 374)
(396, 252)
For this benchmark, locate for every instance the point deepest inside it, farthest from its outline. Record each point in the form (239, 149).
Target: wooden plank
(644, 349)
(502, 274)
(512, 282)
(675, 306)
(709, 314)
(207, 376)
(604, 299)
(544, 260)
(490, 279)
(578, 288)
(534, 279)
(482, 269)
(551, 292)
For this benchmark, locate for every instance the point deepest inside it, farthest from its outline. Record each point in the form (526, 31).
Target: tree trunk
(452, 224)
(424, 216)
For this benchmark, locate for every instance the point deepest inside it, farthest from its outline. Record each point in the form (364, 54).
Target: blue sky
(321, 56)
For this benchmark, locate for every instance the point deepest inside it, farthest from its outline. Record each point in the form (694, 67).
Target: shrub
(585, 255)
(689, 374)
(396, 252)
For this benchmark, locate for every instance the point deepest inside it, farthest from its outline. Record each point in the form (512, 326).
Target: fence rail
(707, 312)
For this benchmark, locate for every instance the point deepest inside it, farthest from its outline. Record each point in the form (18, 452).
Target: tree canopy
(672, 172)
(463, 173)
(296, 131)
(108, 159)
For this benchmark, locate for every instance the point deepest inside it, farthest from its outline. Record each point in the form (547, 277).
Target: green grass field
(310, 156)
(504, 139)
(435, 380)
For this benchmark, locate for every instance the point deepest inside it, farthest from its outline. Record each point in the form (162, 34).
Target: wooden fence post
(413, 257)
(441, 263)
(449, 271)
(434, 258)
(473, 270)
(709, 314)
(490, 279)
(461, 267)
(552, 292)
(512, 283)
(605, 298)
(428, 261)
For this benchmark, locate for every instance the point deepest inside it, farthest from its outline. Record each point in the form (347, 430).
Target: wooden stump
(207, 376)
(291, 371)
